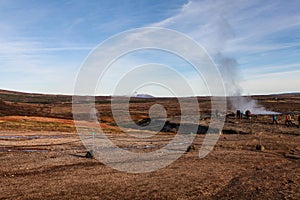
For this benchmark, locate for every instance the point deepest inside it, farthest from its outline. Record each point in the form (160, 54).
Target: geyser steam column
(100, 60)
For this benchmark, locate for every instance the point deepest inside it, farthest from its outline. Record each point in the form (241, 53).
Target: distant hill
(144, 96)
(290, 93)
(14, 103)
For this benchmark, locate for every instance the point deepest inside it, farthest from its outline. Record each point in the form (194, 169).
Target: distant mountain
(144, 96)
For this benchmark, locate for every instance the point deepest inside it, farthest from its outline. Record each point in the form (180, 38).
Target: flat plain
(42, 156)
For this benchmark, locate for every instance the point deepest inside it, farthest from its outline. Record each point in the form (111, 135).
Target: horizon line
(152, 96)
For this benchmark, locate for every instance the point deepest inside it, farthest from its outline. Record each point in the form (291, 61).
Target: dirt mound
(13, 109)
(5, 108)
(40, 110)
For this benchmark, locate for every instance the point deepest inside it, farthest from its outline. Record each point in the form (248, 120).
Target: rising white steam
(229, 69)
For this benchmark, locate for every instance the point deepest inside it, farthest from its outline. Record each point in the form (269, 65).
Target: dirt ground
(42, 156)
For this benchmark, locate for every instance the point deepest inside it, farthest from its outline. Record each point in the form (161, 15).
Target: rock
(89, 154)
(290, 181)
(190, 148)
(292, 151)
(260, 147)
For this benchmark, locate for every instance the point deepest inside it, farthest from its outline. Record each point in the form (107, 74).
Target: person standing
(275, 120)
(238, 114)
(248, 114)
(288, 120)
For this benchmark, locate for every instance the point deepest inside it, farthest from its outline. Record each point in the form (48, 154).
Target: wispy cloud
(275, 82)
(236, 23)
(51, 39)
(245, 31)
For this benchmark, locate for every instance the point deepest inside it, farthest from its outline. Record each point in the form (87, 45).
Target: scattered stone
(229, 131)
(292, 151)
(290, 181)
(190, 148)
(260, 147)
(89, 154)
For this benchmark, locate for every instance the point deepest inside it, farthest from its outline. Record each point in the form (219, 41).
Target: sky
(255, 44)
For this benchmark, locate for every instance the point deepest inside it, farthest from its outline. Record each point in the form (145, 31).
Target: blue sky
(44, 43)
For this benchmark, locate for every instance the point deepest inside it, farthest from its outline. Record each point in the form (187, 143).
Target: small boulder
(190, 148)
(260, 147)
(89, 154)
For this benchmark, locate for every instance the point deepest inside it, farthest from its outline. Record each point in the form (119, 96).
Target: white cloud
(243, 30)
(214, 23)
(278, 82)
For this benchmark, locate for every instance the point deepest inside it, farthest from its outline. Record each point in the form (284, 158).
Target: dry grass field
(42, 156)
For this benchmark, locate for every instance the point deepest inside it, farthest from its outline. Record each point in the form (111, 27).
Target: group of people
(240, 114)
(288, 120)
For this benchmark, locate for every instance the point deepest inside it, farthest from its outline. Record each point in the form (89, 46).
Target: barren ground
(42, 156)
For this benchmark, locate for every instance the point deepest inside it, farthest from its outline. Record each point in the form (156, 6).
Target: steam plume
(231, 76)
